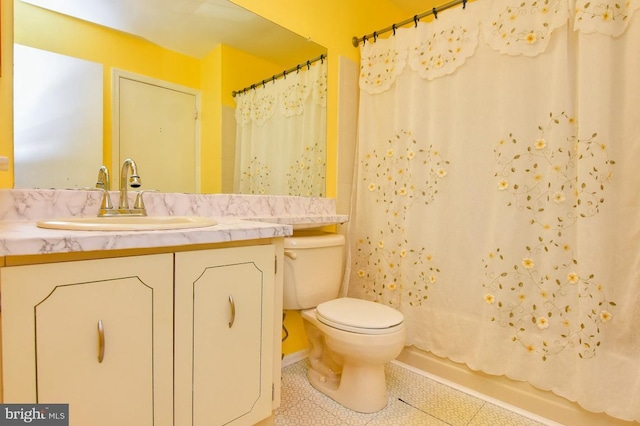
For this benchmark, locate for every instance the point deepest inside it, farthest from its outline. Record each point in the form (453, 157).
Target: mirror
(213, 46)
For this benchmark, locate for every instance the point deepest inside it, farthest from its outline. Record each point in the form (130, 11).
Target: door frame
(116, 75)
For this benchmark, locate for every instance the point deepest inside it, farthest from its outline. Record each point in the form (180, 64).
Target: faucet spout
(128, 166)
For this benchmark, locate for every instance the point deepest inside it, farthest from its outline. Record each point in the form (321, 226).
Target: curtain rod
(356, 41)
(282, 74)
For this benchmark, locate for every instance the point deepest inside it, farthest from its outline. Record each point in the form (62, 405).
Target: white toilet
(350, 339)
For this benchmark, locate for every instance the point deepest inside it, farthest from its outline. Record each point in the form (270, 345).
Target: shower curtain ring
(464, 4)
(364, 40)
(393, 27)
(375, 36)
(415, 20)
(435, 12)
(308, 65)
(298, 69)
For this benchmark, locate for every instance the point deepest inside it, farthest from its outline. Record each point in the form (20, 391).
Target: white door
(156, 125)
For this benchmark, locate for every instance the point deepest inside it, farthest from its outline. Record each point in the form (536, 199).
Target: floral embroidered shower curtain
(498, 195)
(281, 135)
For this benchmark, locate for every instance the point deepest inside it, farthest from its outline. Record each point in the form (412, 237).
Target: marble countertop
(25, 238)
(239, 218)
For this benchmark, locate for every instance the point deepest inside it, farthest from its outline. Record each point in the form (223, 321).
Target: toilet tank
(312, 269)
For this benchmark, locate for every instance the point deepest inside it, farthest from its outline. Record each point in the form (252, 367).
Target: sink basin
(127, 223)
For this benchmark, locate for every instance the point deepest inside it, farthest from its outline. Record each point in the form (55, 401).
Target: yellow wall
(297, 337)
(6, 89)
(240, 70)
(211, 121)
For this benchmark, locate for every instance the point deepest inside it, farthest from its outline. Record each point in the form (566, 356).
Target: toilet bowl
(350, 340)
(348, 365)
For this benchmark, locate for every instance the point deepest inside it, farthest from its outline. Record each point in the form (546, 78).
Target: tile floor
(414, 399)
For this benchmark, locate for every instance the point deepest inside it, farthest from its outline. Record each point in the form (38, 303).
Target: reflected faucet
(104, 184)
(103, 179)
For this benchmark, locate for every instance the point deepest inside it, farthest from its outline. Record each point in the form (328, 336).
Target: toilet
(350, 340)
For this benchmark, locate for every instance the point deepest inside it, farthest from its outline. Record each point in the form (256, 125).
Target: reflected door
(157, 127)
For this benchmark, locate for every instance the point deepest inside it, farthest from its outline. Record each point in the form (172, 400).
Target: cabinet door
(224, 336)
(94, 334)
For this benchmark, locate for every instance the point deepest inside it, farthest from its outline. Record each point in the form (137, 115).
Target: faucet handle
(139, 203)
(106, 201)
(105, 205)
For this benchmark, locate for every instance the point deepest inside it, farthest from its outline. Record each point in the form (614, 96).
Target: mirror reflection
(291, 111)
(145, 49)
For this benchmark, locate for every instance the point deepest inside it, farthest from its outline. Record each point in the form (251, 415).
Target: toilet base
(360, 387)
(349, 367)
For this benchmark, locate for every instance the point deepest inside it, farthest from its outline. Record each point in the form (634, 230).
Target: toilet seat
(359, 316)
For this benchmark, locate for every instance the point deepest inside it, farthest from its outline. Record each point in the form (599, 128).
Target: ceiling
(195, 27)
(191, 27)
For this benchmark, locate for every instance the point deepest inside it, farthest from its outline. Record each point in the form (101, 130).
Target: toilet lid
(359, 316)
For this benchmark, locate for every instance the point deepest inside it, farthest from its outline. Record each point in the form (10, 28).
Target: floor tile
(414, 399)
(305, 413)
(443, 402)
(402, 414)
(492, 415)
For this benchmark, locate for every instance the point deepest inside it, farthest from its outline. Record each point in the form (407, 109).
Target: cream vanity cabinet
(184, 338)
(224, 336)
(96, 334)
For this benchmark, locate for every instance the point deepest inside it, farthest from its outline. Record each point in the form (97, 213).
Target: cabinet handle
(232, 313)
(100, 341)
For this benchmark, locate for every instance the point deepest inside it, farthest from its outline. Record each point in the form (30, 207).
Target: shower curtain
(497, 203)
(281, 135)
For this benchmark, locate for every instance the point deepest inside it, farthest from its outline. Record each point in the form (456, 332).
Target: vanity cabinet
(181, 338)
(224, 336)
(96, 334)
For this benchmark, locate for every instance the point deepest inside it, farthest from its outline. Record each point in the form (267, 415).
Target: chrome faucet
(133, 180)
(129, 176)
